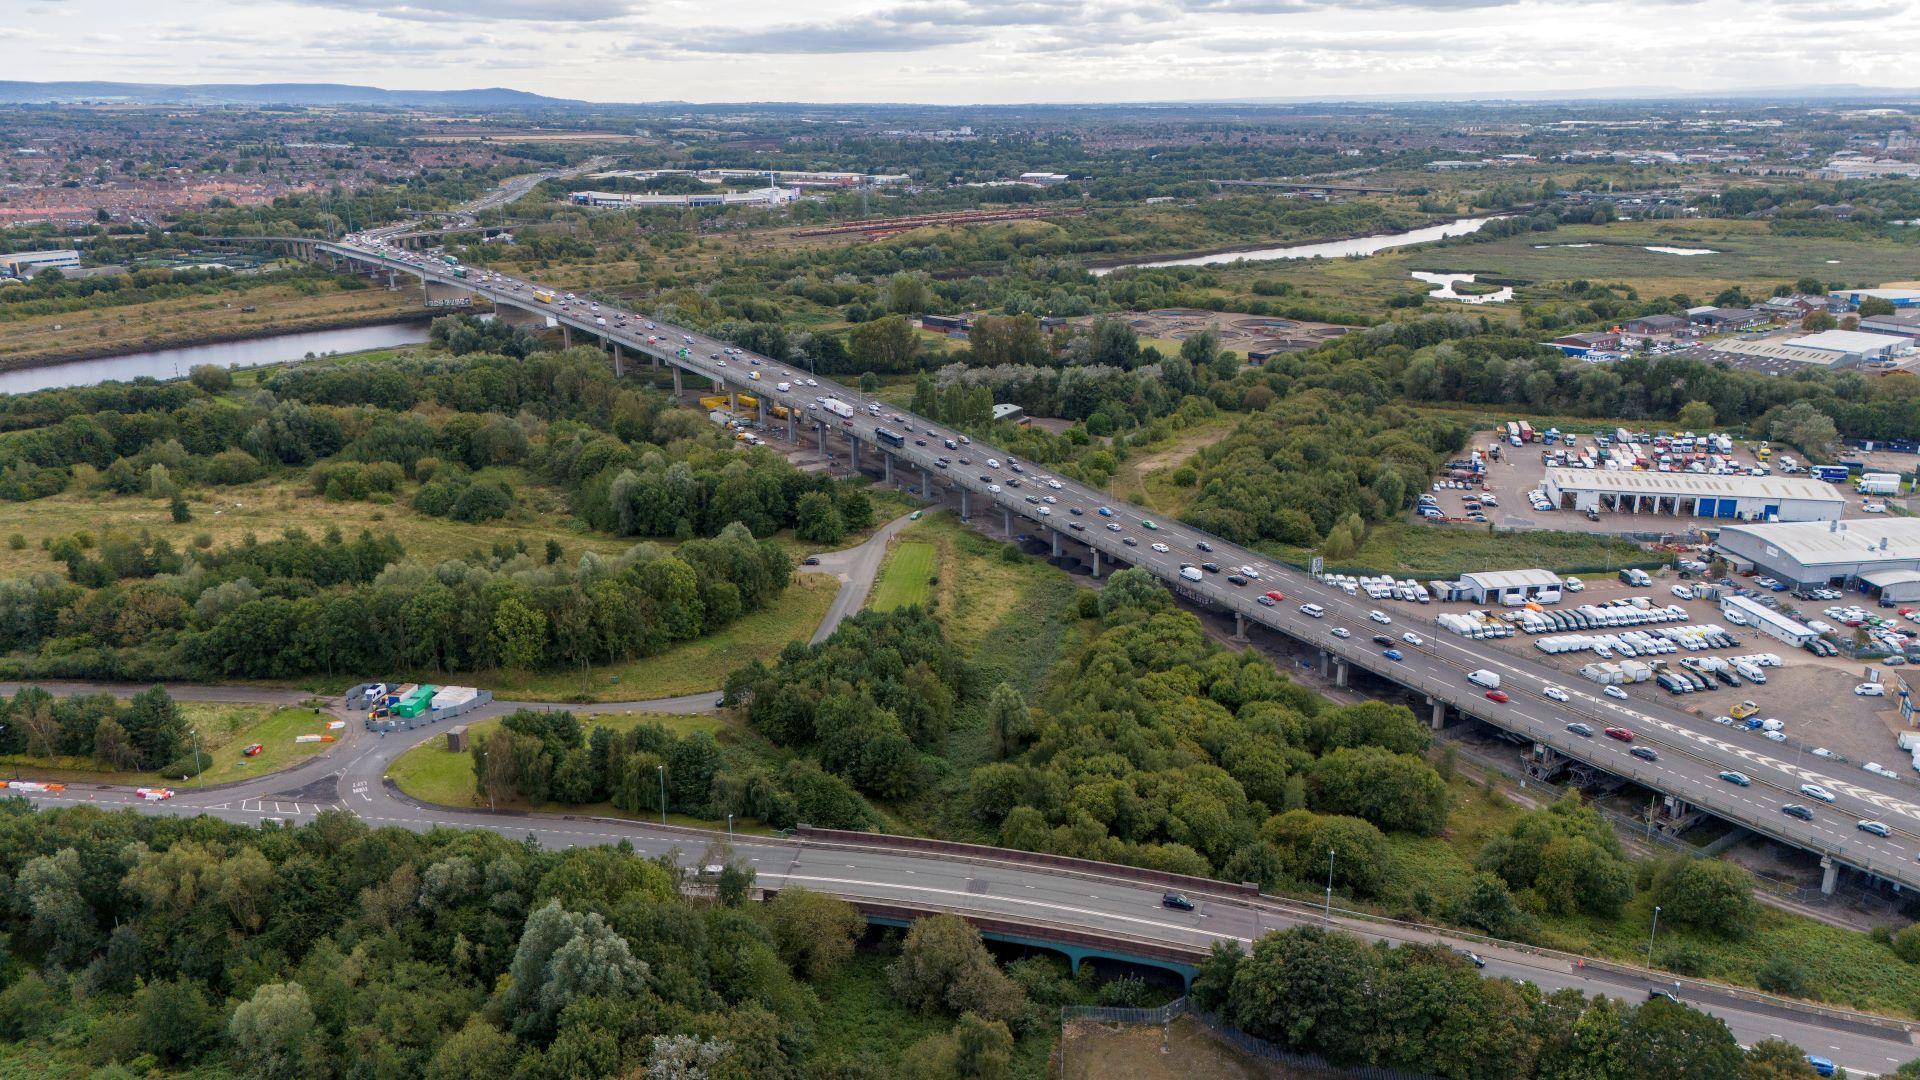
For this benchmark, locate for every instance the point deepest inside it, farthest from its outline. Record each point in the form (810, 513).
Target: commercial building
(25, 264)
(1726, 319)
(1044, 179)
(1681, 494)
(1005, 411)
(1882, 553)
(1506, 586)
(1896, 297)
(1658, 327)
(767, 196)
(1854, 346)
(1767, 621)
(1903, 323)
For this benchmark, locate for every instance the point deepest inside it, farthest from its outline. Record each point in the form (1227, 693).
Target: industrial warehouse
(1680, 494)
(1881, 554)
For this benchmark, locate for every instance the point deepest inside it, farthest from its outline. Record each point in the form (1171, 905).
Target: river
(175, 363)
(1329, 249)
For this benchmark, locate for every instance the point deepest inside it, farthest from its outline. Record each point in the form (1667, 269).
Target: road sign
(1316, 566)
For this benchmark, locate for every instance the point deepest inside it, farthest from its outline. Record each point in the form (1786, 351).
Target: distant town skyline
(956, 52)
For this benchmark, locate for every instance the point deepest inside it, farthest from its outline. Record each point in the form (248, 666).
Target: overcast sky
(967, 51)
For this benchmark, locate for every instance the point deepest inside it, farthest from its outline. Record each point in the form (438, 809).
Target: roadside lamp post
(663, 794)
(1326, 916)
(1652, 933)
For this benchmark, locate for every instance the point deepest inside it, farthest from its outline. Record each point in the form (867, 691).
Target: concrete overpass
(1693, 751)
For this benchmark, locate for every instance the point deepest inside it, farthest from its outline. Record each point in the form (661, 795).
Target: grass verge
(226, 730)
(1398, 547)
(907, 578)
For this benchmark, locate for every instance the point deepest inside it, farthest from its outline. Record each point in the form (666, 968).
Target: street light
(729, 824)
(663, 794)
(1326, 916)
(1652, 933)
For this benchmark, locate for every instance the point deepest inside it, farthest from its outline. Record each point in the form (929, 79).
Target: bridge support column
(518, 316)
(822, 429)
(1096, 563)
(886, 463)
(1056, 542)
(1340, 669)
(1437, 719)
(1239, 628)
(1326, 663)
(1829, 875)
(760, 407)
(566, 336)
(926, 483)
(789, 423)
(853, 443)
(619, 369)
(677, 391)
(966, 505)
(1006, 522)
(393, 280)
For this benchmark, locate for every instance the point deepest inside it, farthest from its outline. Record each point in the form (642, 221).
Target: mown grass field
(226, 730)
(906, 578)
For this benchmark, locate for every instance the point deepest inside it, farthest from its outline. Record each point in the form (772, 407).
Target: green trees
(1394, 791)
(273, 1033)
(886, 345)
(817, 519)
(564, 956)
(813, 932)
(1568, 855)
(1804, 425)
(1706, 894)
(943, 965)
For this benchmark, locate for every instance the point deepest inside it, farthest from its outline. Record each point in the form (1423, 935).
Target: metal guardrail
(1247, 1044)
(1112, 1014)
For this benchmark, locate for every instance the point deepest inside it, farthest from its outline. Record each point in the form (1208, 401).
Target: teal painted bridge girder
(1074, 953)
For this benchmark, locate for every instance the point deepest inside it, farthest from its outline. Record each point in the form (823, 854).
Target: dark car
(1236, 579)
(1797, 810)
(919, 442)
(1210, 567)
(1129, 541)
(1474, 958)
(1203, 545)
(1035, 499)
(986, 479)
(1176, 901)
(1644, 753)
(1382, 639)
(811, 560)
(1075, 511)
(1581, 730)
(1076, 526)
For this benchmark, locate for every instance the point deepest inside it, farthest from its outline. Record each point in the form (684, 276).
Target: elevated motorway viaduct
(1693, 751)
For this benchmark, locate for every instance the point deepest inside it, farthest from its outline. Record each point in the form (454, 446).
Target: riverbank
(1271, 252)
(168, 343)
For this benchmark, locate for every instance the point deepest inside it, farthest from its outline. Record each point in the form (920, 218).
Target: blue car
(1732, 777)
(1821, 1066)
(1393, 654)
(1106, 511)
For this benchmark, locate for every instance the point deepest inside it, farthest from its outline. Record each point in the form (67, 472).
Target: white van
(1191, 573)
(1313, 611)
(1484, 678)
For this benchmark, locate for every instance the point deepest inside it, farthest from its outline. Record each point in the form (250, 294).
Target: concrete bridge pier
(926, 484)
(619, 369)
(1096, 563)
(1829, 875)
(760, 407)
(1326, 663)
(966, 505)
(677, 391)
(822, 429)
(1056, 542)
(1437, 719)
(853, 448)
(566, 334)
(1239, 629)
(886, 463)
(1006, 522)
(1340, 669)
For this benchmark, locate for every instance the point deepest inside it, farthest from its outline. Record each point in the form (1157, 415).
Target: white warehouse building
(1681, 494)
(1881, 553)
(1768, 621)
(1506, 586)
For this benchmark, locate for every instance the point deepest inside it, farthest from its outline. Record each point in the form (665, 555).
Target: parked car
(254, 751)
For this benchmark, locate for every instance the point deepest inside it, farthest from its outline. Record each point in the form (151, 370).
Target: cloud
(1831, 14)
(547, 11)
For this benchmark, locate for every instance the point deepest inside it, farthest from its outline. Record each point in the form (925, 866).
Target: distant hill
(23, 93)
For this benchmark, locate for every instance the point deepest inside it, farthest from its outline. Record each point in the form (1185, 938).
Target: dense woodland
(457, 436)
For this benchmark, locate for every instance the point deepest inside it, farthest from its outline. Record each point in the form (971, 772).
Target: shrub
(1783, 975)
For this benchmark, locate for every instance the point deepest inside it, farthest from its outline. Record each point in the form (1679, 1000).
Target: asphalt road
(1693, 751)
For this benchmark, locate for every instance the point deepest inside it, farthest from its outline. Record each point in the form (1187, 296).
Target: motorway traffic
(1692, 757)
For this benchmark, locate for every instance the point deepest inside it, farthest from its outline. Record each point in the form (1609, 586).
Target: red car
(253, 750)
(1620, 733)
(1274, 595)
(1498, 695)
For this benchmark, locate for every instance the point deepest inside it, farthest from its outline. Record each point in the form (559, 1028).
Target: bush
(1783, 975)
(1906, 943)
(1087, 605)
(187, 766)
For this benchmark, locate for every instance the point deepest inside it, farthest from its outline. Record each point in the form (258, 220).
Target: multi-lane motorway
(1692, 751)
